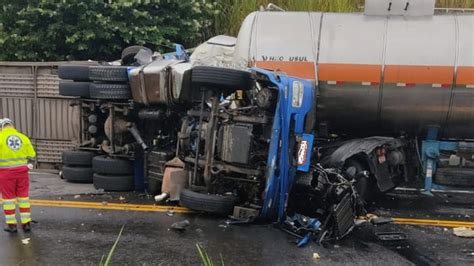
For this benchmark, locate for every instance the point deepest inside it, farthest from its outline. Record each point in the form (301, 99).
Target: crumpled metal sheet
(217, 51)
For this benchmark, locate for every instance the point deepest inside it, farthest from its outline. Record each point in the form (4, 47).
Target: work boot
(26, 227)
(10, 228)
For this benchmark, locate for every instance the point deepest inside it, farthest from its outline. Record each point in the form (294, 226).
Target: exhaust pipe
(133, 129)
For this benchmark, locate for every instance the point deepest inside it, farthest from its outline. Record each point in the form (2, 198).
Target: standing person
(15, 151)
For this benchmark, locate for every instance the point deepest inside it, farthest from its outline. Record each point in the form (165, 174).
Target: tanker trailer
(394, 86)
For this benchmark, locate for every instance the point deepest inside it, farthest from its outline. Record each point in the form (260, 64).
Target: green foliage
(234, 11)
(206, 260)
(47, 30)
(38, 30)
(112, 250)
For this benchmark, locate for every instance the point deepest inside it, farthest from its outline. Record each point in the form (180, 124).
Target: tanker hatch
(409, 8)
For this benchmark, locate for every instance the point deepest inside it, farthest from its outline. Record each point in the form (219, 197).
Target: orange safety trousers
(15, 187)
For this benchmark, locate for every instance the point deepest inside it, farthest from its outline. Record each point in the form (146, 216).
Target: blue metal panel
(294, 102)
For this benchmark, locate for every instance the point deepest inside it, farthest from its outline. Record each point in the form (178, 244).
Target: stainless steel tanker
(376, 73)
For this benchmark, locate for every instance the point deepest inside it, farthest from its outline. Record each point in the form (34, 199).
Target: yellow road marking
(109, 206)
(431, 222)
(162, 208)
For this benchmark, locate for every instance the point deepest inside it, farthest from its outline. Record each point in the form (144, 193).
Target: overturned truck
(303, 114)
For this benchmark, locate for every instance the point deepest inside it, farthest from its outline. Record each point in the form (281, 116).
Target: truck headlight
(297, 96)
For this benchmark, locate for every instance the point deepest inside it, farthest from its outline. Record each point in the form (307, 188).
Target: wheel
(207, 203)
(77, 89)
(74, 72)
(107, 91)
(113, 182)
(108, 73)
(77, 174)
(93, 73)
(363, 185)
(111, 166)
(128, 54)
(221, 78)
(77, 158)
(456, 177)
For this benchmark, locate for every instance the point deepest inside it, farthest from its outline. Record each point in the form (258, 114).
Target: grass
(206, 260)
(233, 12)
(112, 250)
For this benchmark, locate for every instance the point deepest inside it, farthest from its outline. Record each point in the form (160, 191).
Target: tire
(128, 54)
(221, 78)
(108, 73)
(77, 158)
(94, 73)
(76, 89)
(456, 177)
(106, 91)
(113, 182)
(77, 174)
(207, 203)
(74, 72)
(111, 166)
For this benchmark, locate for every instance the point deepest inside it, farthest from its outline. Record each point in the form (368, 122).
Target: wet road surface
(82, 236)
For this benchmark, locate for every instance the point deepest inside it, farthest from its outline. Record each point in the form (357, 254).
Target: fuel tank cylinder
(377, 73)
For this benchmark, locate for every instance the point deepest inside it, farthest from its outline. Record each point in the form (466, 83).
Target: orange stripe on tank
(297, 69)
(465, 75)
(419, 74)
(349, 72)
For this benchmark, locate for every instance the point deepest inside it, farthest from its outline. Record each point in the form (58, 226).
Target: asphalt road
(81, 236)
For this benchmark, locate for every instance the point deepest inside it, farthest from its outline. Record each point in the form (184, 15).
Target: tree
(38, 30)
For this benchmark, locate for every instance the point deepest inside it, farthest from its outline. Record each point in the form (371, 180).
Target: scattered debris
(391, 236)
(25, 241)
(316, 256)
(180, 226)
(373, 219)
(77, 196)
(303, 226)
(122, 198)
(381, 220)
(104, 203)
(170, 213)
(463, 232)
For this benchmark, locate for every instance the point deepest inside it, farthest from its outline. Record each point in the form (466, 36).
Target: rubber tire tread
(461, 177)
(74, 72)
(108, 91)
(108, 73)
(218, 77)
(129, 53)
(77, 158)
(93, 73)
(77, 174)
(75, 89)
(113, 182)
(207, 203)
(111, 166)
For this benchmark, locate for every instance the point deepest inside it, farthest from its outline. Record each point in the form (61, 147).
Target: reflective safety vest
(15, 148)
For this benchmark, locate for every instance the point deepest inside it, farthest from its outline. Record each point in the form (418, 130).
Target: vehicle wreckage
(297, 134)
